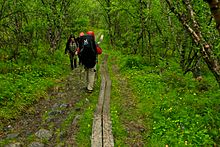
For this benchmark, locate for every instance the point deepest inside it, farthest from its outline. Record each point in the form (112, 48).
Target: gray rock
(17, 144)
(63, 105)
(55, 106)
(44, 134)
(55, 112)
(50, 119)
(12, 136)
(36, 144)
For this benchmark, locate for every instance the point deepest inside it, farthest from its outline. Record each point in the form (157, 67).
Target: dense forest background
(165, 34)
(157, 30)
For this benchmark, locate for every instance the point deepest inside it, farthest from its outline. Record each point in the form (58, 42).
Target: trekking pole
(100, 40)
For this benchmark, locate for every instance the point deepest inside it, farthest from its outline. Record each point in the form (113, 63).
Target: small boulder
(36, 144)
(44, 134)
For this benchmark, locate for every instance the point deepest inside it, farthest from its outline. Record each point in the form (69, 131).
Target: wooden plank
(102, 125)
(96, 140)
(108, 140)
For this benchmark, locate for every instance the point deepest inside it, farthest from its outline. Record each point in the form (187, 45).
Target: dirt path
(51, 122)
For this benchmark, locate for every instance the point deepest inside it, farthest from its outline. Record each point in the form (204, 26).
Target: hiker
(71, 47)
(79, 46)
(88, 54)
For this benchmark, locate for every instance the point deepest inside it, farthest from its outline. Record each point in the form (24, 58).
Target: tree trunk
(142, 27)
(215, 10)
(108, 3)
(205, 48)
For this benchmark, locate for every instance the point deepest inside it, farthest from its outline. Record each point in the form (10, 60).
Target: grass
(119, 131)
(180, 110)
(175, 110)
(24, 84)
(127, 125)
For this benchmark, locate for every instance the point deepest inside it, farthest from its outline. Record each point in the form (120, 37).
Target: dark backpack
(88, 53)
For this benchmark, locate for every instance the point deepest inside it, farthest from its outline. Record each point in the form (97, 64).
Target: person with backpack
(79, 46)
(88, 55)
(71, 48)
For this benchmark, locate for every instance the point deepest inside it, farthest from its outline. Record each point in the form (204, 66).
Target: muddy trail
(54, 120)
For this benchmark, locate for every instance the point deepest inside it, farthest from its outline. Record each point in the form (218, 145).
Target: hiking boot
(89, 91)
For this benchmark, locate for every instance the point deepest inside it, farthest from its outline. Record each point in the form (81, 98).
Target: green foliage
(24, 84)
(88, 104)
(132, 62)
(177, 117)
(183, 111)
(117, 127)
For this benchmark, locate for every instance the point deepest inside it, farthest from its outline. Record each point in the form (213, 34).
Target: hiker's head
(71, 38)
(81, 34)
(91, 33)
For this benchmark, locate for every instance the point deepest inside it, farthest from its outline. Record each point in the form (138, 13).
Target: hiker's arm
(98, 49)
(77, 51)
(101, 39)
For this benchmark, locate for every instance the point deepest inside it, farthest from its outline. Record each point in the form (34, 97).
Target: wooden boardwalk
(102, 126)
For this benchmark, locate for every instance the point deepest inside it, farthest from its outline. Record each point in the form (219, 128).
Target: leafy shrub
(132, 62)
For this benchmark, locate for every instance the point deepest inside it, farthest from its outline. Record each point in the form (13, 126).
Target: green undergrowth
(24, 83)
(83, 136)
(118, 130)
(181, 110)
